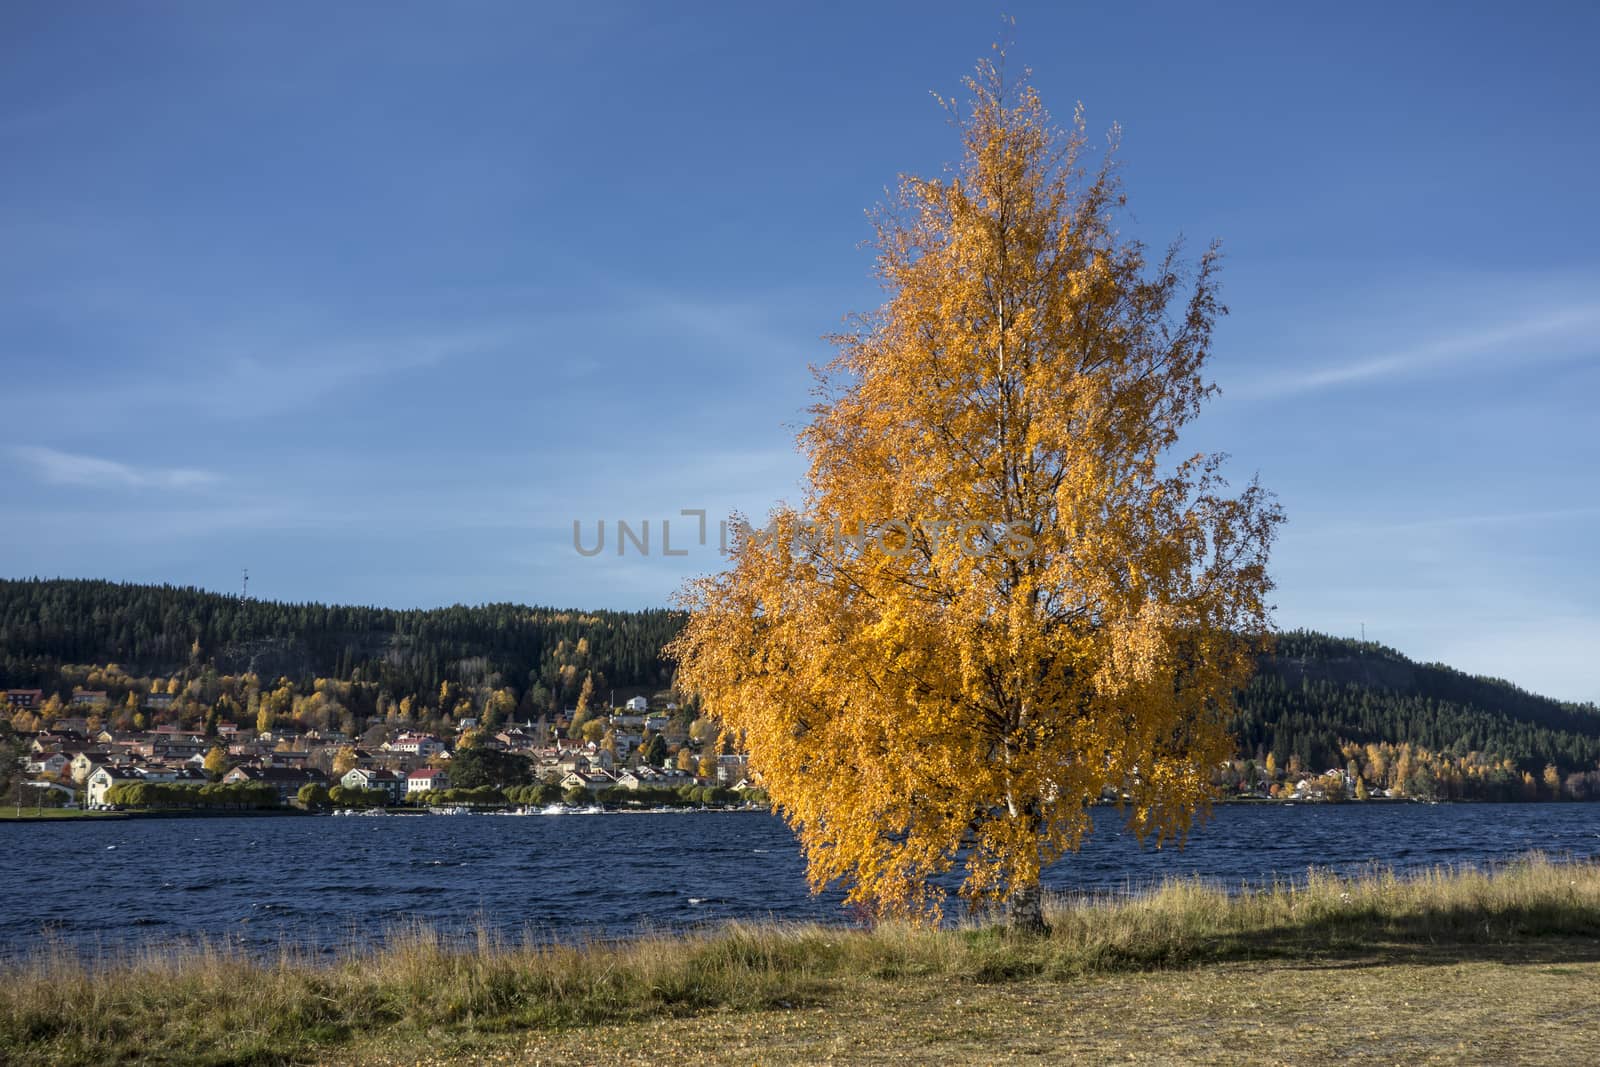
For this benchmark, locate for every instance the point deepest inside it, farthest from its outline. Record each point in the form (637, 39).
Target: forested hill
(1314, 697)
(1318, 694)
(167, 631)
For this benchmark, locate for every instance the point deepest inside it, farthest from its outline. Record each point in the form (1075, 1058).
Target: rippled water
(329, 882)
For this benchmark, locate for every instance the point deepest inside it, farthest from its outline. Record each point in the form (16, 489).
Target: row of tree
(236, 796)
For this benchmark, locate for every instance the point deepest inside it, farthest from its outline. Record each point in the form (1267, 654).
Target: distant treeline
(167, 631)
(1314, 696)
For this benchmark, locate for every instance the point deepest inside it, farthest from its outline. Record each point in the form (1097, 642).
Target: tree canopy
(1003, 594)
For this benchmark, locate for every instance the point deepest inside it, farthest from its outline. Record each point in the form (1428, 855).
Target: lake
(104, 886)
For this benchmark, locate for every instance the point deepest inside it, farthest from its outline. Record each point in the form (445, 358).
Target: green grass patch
(26, 814)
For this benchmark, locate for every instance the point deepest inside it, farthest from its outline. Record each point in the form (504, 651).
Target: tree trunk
(1025, 911)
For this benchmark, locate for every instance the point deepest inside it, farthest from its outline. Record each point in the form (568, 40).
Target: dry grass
(1517, 1009)
(209, 1004)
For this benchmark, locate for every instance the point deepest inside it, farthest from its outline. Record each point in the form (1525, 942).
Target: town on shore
(628, 755)
(152, 744)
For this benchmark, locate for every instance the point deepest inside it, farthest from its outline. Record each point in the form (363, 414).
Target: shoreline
(68, 815)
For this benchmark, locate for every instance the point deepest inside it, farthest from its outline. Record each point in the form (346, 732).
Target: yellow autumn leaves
(914, 712)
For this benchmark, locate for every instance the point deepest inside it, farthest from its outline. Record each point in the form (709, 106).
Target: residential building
(286, 780)
(49, 764)
(103, 778)
(425, 780)
(654, 778)
(731, 769)
(84, 762)
(365, 778)
(408, 744)
(593, 781)
(54, 740)
(173, 772)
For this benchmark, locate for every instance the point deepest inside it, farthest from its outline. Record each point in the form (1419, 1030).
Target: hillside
(1316, 694)
(540, 655)
(1315, 697)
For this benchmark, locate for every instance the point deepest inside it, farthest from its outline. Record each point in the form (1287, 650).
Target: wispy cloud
(295, 374)
(1532, 336)
(749, 329)
(55, 467)
(271, 377)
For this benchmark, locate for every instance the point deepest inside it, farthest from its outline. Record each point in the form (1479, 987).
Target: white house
(593, 781)
(103, 779)
(731, 769)
(83, 763)
(426, 779)
(367, 778)
(654, 777)
(637, 705)
(423, 745)
(52, 764)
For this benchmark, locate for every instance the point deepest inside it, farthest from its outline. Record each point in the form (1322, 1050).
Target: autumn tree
(216, 763)
(344, 760)
(502, 703)
(1003, 593)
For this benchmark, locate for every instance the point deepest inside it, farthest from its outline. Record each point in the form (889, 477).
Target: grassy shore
(1441, 966)
(57, 814)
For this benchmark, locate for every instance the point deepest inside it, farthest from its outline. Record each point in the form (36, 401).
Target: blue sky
(376, 299)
